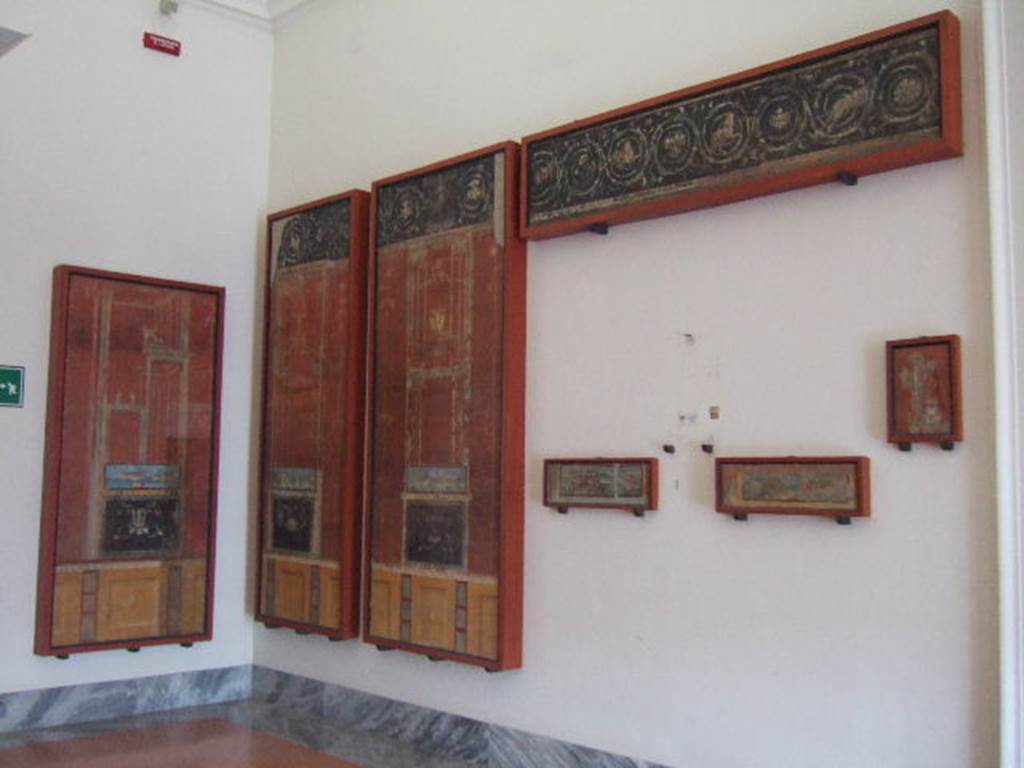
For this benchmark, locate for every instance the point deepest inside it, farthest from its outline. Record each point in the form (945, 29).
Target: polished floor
(200, 743)
(240, 734)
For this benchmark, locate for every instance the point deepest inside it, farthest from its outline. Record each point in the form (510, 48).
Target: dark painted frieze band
(834, 108)
(457, 196)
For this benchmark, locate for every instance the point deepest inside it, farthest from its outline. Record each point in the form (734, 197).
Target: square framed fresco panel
(923, 394)
(313, 417)
(447, 365)
(130, 476)
(829, 486)
(629, 484)
(873, 103)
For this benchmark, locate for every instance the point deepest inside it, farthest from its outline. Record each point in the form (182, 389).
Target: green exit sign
(12, 386)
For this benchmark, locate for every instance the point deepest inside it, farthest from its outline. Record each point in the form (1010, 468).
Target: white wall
(686, 637)
(1014, 50)
(116, 157)
(1005, 108)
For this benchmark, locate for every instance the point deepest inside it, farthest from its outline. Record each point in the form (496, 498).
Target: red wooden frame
(350, 560)
(62, 276)
(956, 432)
(511, 537)
(652, 484)
(949, 144)
(862, 473)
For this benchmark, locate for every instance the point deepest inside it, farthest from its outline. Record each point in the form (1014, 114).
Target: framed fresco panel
(130, 475)
(923, 391)
(630, 484)
(880, 101)
(448, 325)
(313, 401)
(829, 486)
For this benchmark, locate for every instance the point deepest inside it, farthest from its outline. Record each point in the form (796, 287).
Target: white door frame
(1007, 261)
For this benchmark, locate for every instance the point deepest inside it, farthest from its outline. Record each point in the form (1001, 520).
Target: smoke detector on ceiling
(9, 38)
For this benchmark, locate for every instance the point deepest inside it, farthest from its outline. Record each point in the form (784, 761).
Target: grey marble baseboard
(49, 707)
(430, 733)
(361, 727)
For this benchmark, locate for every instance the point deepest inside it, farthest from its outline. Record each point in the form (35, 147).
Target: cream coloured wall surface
(686, 637)
(116, 157)
(1013, 49)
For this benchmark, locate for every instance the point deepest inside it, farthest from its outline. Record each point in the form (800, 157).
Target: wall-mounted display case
(313, 421)
(448, 325)
(130, 476)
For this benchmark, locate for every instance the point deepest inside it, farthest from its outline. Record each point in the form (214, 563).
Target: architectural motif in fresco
(834, 108)
(319, 234)
(921, 381)
(924, 398)
(458, 196)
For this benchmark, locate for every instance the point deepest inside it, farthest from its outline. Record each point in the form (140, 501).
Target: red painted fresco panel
(130, 471)
(297, 311)
(198, 450)
(82, 341)
(131, 345)
(390, 405)
(446, 507)
(486, 405)
(313, 403)
(124, 436)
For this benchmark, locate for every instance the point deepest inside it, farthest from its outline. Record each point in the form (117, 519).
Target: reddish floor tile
(198, 744)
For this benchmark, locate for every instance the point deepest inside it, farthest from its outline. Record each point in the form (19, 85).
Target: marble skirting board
(430, 733)
(361, 727)
(49, 707)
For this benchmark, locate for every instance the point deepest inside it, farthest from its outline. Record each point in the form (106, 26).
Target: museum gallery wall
(446, 300)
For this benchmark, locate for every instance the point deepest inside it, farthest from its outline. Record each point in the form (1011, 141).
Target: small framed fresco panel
(880, 101)
(923, 391)
(448, 327)
(130, 475)
(829, 486)
(313, 403)
(629, 484)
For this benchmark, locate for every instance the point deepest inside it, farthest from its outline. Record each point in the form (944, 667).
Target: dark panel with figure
(448, 333)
